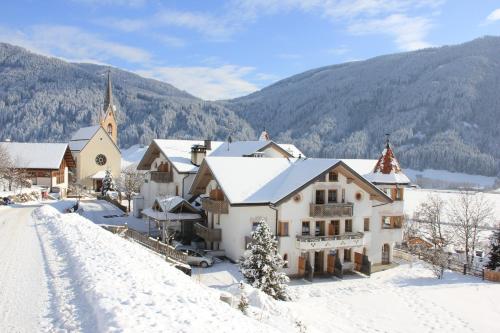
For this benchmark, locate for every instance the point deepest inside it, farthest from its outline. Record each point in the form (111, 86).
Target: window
(333, 176)
(359, 196)
(392, 222)
(176, 189)
(332, 196)
(306, 231)
(320, 228)
(285, 259)
(397, 194)
(335, 227)
(348, 225)
(255, 224)
(366, 224)
(347, 255)
(386, 222)
(100, 159)
(320, 197)
(283, 229)
(110, 129)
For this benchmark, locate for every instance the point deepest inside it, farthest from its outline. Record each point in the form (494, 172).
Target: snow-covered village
(184, 167)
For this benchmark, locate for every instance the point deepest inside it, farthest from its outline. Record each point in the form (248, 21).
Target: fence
(491, 275)
(452, 264)
(156, 245)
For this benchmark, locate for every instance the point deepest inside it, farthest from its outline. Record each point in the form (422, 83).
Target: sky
(218, 49)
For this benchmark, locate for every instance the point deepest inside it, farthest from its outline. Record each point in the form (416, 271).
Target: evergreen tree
(494, 260)
(243, 303)
(262, 263)
(107, 183)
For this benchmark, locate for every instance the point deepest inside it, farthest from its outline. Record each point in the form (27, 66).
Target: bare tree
(130, 182)
(468, 213)
(430, 215)
(5, 162)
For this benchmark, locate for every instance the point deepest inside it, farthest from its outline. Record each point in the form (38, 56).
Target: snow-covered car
(198, 258)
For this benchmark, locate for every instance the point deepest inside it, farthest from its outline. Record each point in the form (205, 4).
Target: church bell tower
(108, 117)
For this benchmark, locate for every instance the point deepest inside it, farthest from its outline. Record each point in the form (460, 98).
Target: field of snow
(61, 272)
(451, 178)
(413, 198)
(132, 155)
(407, 298)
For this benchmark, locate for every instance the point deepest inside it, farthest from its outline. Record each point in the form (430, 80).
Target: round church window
(100, 159)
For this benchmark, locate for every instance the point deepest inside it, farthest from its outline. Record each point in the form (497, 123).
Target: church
(95, 148)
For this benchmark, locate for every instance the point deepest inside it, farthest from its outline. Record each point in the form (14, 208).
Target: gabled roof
(246, 180)
(178, 152)
(172, 208)
(366, 169)
(81, 137)
(248, 148)
(31, 155)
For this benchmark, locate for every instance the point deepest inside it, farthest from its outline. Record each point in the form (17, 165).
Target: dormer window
(333, 176)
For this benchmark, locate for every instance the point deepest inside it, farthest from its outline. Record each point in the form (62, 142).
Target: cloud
(494, 16)
(409, 32)
(127, 3)
(209, 83)
(289, 56)
(73, 44)
(340, 50)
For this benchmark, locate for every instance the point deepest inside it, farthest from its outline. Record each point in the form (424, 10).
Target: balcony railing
(331, 210)
(351, 239)
(209, 235)
(161, 177)
(215, 206)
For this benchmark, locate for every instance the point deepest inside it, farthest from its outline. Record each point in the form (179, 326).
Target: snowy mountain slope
(47, 99)
(441, 105)
(99, 282)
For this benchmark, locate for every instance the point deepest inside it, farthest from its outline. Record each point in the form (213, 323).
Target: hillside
(441, 105)
(46, 99)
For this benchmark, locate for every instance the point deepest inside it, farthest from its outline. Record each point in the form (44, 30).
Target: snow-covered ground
(61, 272)
(104, 213)
(403, 299)
(444, 177)
(414, 197)
(132, 155)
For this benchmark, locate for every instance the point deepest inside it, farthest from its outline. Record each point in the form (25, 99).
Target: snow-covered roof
(247, 148)
(178, 152)
(30, 155)
(162, 216)
(366, 169)
(82, 136)
(85, 133)
(267, 180)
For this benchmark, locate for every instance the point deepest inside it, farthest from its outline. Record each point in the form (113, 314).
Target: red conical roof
(387, 163)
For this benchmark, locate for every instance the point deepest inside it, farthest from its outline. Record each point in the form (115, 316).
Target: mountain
(47, 99)
(441, 106)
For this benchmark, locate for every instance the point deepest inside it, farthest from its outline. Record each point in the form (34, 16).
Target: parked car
(7, 201)
(198, 258)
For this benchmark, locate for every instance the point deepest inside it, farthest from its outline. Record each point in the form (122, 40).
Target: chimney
(198, 153)
(208, 144)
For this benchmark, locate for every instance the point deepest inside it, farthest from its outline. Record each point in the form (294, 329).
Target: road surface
(24, 294)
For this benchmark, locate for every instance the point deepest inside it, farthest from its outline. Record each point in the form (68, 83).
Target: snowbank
(102, 282)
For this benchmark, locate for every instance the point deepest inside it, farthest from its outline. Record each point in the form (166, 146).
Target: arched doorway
(386, 254)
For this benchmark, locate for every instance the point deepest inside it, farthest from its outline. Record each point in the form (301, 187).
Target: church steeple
(108, 95)
(108, 118)
(387, 163)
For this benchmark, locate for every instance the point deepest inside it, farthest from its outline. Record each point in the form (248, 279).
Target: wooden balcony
(351, 239)
(215, 206)
(209, 235)
(161, 177)
(331, 210)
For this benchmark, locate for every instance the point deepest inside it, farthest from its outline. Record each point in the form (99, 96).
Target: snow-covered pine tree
(262, 263)
(107, 182)
(243, 303)
(494, 257)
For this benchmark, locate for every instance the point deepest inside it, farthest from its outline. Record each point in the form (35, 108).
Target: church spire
(387, 163)
(108, 95)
